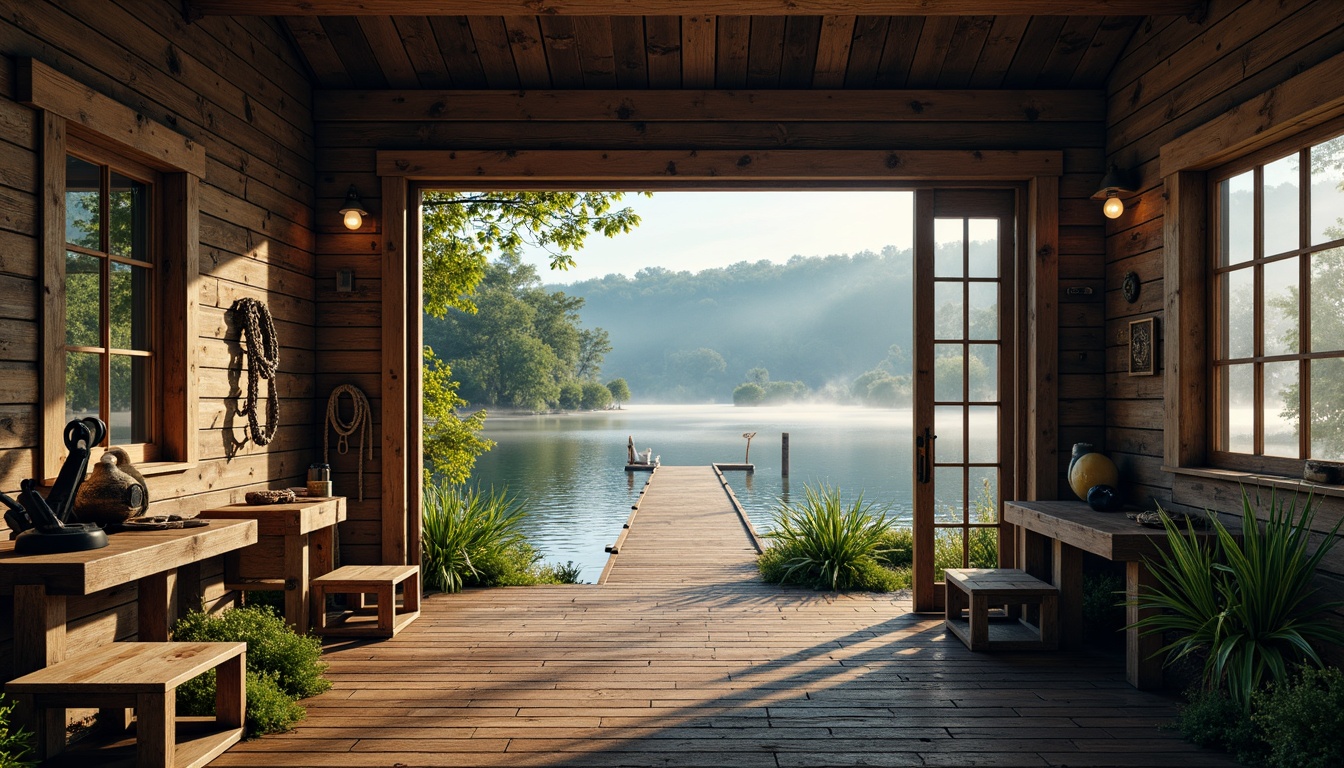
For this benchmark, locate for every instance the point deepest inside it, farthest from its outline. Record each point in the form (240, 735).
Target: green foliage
(620, 391)
(981, 549)
(1243, 604)
(826, 544)
(470, 538)
(896, 548)
(1214, 721)
(1301, 720)
(452, 442)
(750, 393)
(596, 397)
(571, 395)
(16, 745)
(281, 666)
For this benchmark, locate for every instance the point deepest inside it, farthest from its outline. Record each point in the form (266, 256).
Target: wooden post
(784, 455)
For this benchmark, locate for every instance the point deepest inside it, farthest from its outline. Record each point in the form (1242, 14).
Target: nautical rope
(361, 421)
(263, 362)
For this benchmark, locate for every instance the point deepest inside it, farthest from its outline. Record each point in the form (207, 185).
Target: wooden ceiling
(704, 44)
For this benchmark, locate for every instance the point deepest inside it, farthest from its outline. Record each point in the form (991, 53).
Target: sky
(701, 230)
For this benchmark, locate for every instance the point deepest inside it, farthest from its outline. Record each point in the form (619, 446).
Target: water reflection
(570, 467)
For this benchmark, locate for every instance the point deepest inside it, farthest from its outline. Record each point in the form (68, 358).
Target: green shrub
(280, 664)
(896, 548)
(16, 744)
(1302, 720)
(474, 539)
(825, 544)
(1214, 721)
(1243, 603)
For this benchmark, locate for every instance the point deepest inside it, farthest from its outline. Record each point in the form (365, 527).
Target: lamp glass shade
(1113, 206)
(353, 210)
(353, 219)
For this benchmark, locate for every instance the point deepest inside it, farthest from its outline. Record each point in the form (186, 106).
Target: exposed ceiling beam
(693, 7)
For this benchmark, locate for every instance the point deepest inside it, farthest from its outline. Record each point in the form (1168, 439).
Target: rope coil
(361, 421)
(263, 362)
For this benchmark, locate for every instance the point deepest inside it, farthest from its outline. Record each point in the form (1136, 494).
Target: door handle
(924, 456)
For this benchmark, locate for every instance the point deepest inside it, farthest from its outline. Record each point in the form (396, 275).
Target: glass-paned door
(963, 382)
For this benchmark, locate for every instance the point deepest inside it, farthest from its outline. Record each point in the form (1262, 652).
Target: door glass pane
(947, 425)
(1281, 409)
(1239, 394)
(983, 300)
(82, 391)
(1327, 427)
(83, 220)
(1237, 215)
(947, 551)
(984, 372)
(948, 493)
(1280, 227)
(128, 218)
(983, 247)
(1327, 191)
(984, 490)
(948, 365)
(1281, 307)
(984, 434)
(131, 396)
(129, 303)
(1327, 300)
(1239, 304)
(82, 300)
(948, 255)
(948, 312)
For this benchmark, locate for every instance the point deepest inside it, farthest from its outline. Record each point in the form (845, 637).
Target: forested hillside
(824, 321)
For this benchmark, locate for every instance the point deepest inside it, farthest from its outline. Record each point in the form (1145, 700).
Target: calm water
(570, 467)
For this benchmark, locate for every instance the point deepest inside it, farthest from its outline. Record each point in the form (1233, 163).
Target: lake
(569, 467)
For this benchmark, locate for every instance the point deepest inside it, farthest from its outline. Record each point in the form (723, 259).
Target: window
(1278, 307)
(110, 283)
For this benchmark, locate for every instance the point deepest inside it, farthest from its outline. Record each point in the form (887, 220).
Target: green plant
(466, 530)
(280, 665)
(1242, 602)
(15, 743)
(821, 542)
(1301, 720)
(1214, 721)
(561, 573)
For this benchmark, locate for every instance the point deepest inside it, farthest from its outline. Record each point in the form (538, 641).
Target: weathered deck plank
(683, 658)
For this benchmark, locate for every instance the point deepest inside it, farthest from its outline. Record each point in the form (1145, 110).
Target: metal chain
(361, 421)
(263, 362)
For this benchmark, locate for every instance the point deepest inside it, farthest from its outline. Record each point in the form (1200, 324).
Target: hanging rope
(263, 361)
(361, 421)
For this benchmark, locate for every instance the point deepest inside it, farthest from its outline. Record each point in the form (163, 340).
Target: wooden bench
(974, 590)
(360, 580)
(143, 676)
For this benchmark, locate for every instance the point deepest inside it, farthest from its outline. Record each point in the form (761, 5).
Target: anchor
(43, 526)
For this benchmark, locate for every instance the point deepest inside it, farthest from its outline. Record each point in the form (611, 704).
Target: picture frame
(1143, 347)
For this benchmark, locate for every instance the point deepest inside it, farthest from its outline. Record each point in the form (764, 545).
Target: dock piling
(784, 455)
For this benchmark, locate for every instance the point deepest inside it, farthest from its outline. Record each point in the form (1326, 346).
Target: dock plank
(683, 658)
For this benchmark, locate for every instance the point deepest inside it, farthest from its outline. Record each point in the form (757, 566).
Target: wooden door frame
(404, 173)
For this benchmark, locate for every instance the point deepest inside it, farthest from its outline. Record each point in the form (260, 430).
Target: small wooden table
(296, 544)
(1070, 528)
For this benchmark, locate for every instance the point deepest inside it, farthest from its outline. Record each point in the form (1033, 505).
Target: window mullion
(1258, 304)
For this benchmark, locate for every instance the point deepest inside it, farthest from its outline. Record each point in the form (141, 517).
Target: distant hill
(682, 336)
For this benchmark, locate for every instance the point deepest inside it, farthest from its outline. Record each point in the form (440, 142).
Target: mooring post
(784, 455)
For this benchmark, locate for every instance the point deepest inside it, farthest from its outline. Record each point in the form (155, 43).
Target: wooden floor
(683, 658)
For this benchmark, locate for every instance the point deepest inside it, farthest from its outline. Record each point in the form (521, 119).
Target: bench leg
(411, 593)
(231, 692)
(1049, 626)
(155, 730)
(979, 621)
(1143, 669)
(387, 607)
(296, 582)
(1068, 577)
(318, 611)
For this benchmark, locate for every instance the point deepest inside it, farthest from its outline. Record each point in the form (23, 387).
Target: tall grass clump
(825, 544)
(1243, 605)
(473, 538)
(16, 743)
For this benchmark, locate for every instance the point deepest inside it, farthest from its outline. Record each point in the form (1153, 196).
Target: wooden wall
(235, 87)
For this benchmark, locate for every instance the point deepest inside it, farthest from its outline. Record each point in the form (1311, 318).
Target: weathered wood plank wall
(235, 87)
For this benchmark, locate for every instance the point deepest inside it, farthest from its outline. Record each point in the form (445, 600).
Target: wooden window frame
(72, 114)
(1298, 111)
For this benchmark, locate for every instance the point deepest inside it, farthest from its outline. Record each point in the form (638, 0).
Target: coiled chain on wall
(263, 362)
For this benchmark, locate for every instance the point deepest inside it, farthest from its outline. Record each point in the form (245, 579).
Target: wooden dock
(684, 658)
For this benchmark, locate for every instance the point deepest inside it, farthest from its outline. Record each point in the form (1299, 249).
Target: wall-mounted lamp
(1113, 184)
(353, 210)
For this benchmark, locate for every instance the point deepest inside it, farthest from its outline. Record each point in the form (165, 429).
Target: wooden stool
(378, 580)
(144, 676)
(974, 589)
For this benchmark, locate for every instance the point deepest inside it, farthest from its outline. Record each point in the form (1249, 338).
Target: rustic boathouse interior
(238, 127)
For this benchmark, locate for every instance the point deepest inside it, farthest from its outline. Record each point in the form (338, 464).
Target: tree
(594, 345)
(460, 232)
(571, 395)
(749, 393)
(620, 391)
(759, 376)
(596, 397)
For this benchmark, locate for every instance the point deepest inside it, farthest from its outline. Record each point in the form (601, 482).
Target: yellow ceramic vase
(1092, 469)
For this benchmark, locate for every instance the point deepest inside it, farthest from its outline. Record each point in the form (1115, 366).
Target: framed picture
(1143, 347)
